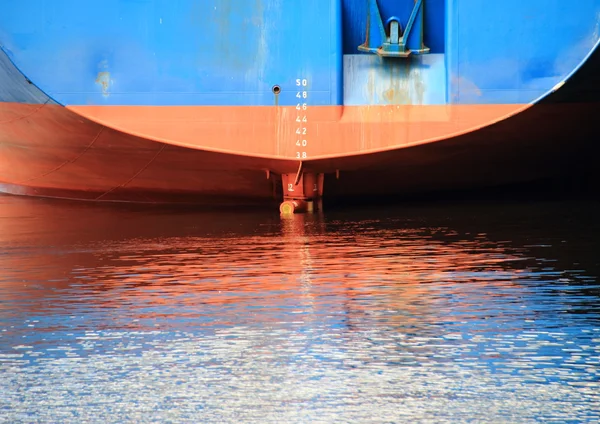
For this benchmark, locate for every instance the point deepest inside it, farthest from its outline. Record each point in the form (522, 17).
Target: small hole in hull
(276, 89)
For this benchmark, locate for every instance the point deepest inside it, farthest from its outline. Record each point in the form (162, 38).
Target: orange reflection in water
(151, 265)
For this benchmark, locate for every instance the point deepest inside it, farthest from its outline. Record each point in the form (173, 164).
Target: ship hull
(137, 106)
(53, 152)
(49, 151)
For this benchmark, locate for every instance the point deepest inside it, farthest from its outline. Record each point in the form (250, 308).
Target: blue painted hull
(218, 52)
(261, 87)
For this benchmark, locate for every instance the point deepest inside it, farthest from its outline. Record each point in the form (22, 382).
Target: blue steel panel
(515, 51)
(176, 52)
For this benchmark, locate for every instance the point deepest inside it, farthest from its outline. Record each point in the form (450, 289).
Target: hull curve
(368, 125)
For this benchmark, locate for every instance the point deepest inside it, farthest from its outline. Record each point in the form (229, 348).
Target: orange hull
(282, 116)
(47, 150)
(330, 131)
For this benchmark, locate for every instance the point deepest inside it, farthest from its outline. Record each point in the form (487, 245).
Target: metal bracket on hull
(302, 192)
(390, 40)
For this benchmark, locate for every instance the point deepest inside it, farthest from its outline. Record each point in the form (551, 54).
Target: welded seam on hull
(134, 176)
(67, 162)
(37, 109)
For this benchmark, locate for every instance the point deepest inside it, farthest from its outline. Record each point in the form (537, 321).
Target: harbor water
(440, 312)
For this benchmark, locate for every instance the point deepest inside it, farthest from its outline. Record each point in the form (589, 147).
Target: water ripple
(478, 314)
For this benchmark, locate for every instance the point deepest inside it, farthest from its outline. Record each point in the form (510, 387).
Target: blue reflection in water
(461, 313)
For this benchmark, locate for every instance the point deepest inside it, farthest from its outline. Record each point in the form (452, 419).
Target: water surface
(431, 313)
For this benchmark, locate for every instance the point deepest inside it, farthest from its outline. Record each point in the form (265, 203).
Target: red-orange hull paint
(49, 151)
(332, 131)
(236, 155)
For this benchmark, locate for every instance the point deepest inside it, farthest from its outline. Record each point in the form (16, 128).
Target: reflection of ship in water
(399, 275)
(141, 269)
(382, 98)
(341, 312)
